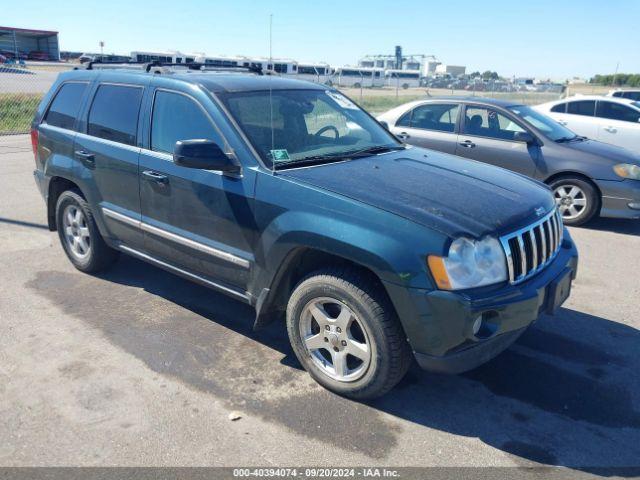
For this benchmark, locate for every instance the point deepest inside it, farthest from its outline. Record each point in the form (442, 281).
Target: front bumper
(439, 324)
(620, 199)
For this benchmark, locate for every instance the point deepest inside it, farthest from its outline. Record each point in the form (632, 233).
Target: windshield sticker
(341, 100)
(279, 155)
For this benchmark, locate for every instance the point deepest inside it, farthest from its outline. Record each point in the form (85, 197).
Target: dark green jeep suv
(286, 195)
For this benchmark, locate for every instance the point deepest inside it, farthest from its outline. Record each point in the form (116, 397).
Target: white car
(630, 94)
(607, 119)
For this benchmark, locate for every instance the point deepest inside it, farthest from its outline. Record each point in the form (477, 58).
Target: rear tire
(79, 234)
(346, 334)
(577, 199)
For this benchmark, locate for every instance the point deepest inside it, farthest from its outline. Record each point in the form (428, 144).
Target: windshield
(306, 126)
(549, 127)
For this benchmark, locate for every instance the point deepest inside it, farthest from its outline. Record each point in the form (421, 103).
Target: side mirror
(384, 124)
(203, 154)
(524, 137)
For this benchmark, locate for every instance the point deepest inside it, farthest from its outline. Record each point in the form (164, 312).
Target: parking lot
(139, 367)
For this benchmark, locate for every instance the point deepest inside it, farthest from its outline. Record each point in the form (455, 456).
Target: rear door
(108, 152)
(488, 136)
(578, 116)
(431, 125)
(197, 220)
(619, 125)
(57, 131)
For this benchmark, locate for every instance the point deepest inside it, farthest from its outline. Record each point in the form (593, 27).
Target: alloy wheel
(338, 342)
(76, 232)
(571, 200)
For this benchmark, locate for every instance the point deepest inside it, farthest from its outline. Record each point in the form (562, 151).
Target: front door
(618, 125)
(488, 136)
(197, 220)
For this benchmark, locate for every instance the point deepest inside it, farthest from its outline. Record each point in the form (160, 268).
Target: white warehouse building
(453, 70)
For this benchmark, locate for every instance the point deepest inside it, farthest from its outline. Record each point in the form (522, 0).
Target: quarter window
(486, 122)
(583, 107)
(615, 111)
(177, 117)
(66, 105)
(559, 108)
(114, 113)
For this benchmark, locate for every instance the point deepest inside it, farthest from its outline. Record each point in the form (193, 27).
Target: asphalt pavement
(138, 367)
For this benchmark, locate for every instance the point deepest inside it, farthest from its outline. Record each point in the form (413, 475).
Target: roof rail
(101, 62)
(147, 66)
(205, 67)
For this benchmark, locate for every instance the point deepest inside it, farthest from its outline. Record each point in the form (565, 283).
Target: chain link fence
(21, 89)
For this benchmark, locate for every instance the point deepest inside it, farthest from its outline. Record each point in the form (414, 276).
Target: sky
(556, 39)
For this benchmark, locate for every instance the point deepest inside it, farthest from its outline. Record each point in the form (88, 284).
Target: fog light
(485, 325)
(476, 325)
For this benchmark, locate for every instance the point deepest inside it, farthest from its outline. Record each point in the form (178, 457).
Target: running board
(185, 274)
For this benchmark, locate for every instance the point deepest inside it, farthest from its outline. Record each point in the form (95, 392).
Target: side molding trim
(241, 262)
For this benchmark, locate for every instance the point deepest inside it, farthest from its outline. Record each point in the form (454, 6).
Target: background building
(27, 44)
(453, 70)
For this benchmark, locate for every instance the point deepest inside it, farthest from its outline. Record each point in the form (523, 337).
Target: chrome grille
(532, 248)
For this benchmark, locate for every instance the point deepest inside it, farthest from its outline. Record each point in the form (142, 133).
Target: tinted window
(177, 117)
(584, 107)
(560, 108)
(114, 113)
(486, 122)
(66, 105)
(615, 111)
(632, 95)
(435, 117)
(405, 120)
(304, 125)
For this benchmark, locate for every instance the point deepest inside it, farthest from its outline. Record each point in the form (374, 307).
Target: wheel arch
(579, 176)
(297, 264)
(57, 185)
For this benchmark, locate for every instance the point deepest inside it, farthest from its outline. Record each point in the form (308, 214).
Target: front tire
(346, 334)
(79, 234)
(577, 199)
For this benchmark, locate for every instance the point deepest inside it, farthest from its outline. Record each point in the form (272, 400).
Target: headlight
(470, 263)
(627, 170)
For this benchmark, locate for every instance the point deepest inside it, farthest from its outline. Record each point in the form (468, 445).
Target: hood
(610, 153)
(450, 194)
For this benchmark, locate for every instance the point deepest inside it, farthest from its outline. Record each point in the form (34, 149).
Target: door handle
(86, 157)
(611, 129)
(156, 177)
(403, 135)
(467, 144)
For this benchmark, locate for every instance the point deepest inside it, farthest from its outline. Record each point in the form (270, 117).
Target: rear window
(114, 113)
(66, 105)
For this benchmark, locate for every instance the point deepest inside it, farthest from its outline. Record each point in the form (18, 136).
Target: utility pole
(101, 48)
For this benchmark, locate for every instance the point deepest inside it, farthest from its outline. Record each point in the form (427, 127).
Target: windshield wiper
(330, 157)
(365, 152)
(566, 139)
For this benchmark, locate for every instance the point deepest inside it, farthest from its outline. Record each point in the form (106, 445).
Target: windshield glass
(636, 104)
(546, 125)
(305, 126)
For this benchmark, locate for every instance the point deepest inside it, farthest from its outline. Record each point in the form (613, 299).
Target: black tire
(390, 354)
(589, 192)
(99, 255)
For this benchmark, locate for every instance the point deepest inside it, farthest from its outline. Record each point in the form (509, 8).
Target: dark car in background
(286, 195)
(587, 177)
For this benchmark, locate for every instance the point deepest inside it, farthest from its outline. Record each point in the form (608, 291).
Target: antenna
(273, 141)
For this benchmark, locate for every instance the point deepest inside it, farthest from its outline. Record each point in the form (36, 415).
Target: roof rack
(191, 66)
(206, 66)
